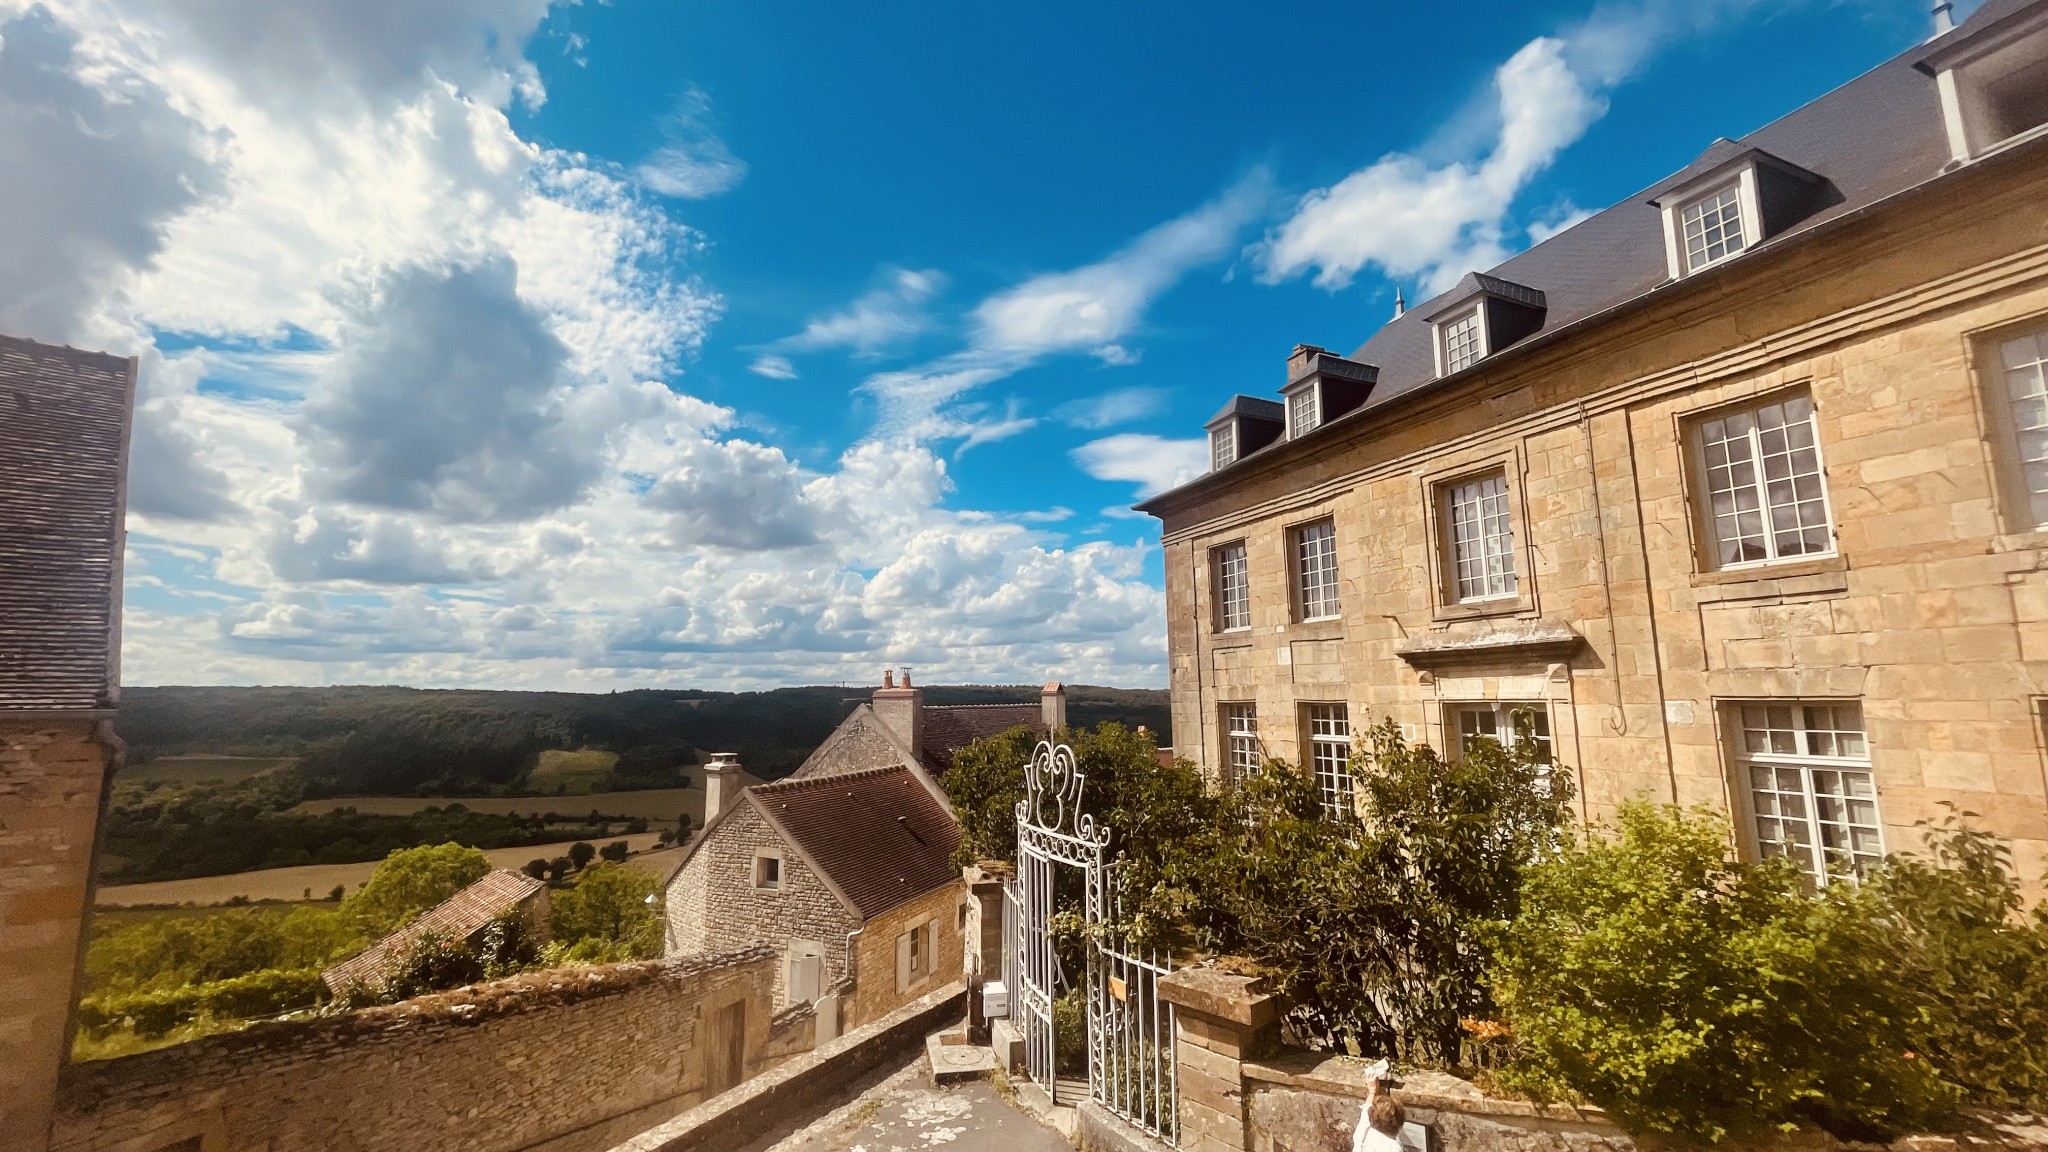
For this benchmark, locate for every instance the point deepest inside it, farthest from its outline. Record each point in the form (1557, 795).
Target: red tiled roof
(948, 728)
(878, 835)
(457, 918)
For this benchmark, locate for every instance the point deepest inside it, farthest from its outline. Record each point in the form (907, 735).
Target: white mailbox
(995, 999)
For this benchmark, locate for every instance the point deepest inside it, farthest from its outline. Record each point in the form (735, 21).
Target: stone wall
(875, 993)
(713, 902)
(859, 743)
(51, 777)
(1933, 612)
(563, 1060)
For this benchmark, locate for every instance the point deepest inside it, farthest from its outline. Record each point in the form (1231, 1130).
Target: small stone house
(462, 916)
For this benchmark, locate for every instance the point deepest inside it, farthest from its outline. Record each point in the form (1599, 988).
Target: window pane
(1240, 741)
(1315, 558)
(1712, 227)
(1303, 412)
(1462, 345)
(1233, 588)
(1329, 749)
(2026, 382)
(1816, 801)
(1222, 447)
(1764, 493)
(1482, 543)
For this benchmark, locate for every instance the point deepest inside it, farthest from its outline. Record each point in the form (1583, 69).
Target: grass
(574, 773)
(659, 806)
(201, 769)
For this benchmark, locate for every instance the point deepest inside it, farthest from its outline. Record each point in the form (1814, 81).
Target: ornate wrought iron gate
(1131, 1068)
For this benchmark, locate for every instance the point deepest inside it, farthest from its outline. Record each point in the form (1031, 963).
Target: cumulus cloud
(324, 545)
(1153, 463)
(734, 494)
(695, 163)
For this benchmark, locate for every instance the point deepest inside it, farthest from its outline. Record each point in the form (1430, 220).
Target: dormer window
(1712, 226)
(1302, 416)
(1222, 447)
(1992, 74)
(1321, 387)
(1245, 425)
(1734, 199)
(1481, 316)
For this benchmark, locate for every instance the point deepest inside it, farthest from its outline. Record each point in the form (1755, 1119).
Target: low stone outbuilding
(462, 916)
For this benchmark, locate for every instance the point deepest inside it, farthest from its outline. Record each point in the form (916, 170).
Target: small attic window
(1222, 447)
(1463, 340)
(1481, 316)
(1303, 413)
(1992, 75)
(1712, 226)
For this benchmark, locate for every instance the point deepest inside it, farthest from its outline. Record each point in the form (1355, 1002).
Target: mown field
(293, 884)
(659, 806)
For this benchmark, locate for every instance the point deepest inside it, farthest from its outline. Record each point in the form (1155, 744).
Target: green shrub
(412, 880)
(613, 913)
(270, 992)
(1688, 994)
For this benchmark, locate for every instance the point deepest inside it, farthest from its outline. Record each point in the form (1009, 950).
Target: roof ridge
(798, 783)
(1006, 704)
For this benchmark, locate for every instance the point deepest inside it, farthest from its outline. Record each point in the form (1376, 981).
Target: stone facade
(52, 774)
(713, 902)
(860, 742)
(561, 1061)
(876, 992)
(1932, 611)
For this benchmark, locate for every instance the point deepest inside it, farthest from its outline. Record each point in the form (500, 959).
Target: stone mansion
(1733, 494)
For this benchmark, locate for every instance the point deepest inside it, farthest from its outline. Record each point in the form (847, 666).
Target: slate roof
(878, 836)
(1874, 137)
(64, 417)
(951, 727)
(457, 918)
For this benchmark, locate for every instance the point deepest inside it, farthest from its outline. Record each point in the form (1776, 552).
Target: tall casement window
(1240, 742)
(1304, 412)
(1507, 723)
(1315, 570)
(1481, 547)
(1463, 341)
(1766, 498)
(1329, 754)
(2025, 364)
(1233, 588)
(1222, 448)
(1808, 770)
(1711, 227)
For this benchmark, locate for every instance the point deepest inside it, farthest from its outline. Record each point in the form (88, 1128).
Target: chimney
(1052, 703)
(1301, 360)
(902, 710)
(721, 784)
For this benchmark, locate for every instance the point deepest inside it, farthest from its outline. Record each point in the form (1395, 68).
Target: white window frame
(1446, 329)
(1758, 487)
(1242, 754)
(917, 954)
(1496, 578)
(1500, 714)
(1326, 733)
(1697, 251)
(1233, 593)
(781, 870)
(1304, 412)
(1223, 446)
(1317, 586)
(1675, 203)
(2023, 379)
(1812, 765)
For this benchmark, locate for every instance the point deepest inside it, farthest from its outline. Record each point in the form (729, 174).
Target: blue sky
(508, 343)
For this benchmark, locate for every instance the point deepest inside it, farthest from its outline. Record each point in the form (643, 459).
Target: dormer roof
(1249, 406)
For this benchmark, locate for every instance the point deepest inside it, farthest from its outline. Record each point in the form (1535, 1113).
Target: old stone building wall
(875, 992)
(563, 1060)
(1932, 613)
(51, 778)
(859, 743)
(716, 905)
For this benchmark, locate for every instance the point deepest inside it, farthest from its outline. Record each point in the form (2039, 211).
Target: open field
(658, 805)
(319, 879)
(200, 769)
(581, 770)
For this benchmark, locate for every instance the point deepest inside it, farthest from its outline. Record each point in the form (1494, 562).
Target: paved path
(905, 1114)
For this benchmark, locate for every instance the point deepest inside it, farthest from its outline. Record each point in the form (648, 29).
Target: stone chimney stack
(721, 784)
(902, 709)
(1301, 360)
(1052, 700)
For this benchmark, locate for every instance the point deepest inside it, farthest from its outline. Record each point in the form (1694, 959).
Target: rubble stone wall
(857, 745)
(713, 902)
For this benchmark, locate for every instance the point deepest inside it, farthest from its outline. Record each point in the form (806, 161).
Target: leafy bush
(269, 992)
(613, 913)
(177, 950)
(1688, 994)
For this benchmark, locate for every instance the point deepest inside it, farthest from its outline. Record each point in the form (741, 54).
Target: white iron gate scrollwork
(1131, 1069)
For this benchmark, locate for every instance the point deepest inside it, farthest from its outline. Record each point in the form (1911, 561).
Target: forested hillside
(409, 741)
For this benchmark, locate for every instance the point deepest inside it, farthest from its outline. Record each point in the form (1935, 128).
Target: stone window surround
(1982, 360)
(1685, 427)
(1508, 461)
(781, 870)
(1726, 712)
(1215, 566)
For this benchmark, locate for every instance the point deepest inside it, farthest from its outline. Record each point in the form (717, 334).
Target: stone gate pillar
(1220, 1021)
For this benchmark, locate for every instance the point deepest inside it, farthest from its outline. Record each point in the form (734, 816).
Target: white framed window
(1807, 766)
(1461, 340)
(1233, 588)
(1304, 412)
(1240, 742)
(2024, 364)
(1710, 226)
(767, 871)
(1481, 543)
(1315, 570)
(1329, 755)
(1508, 723)
(1765, 492)
(1222, 447)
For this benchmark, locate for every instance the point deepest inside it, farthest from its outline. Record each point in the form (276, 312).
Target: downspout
(846, 965)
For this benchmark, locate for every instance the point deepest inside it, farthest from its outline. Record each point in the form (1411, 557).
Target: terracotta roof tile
(949, 728)
(878, 835)
(457, 918)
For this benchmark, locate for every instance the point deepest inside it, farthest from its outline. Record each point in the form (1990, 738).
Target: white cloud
(694, 163)
(1153, 463)
(773, 367)
(1118, 406)
(1563, 218)
(882, 317)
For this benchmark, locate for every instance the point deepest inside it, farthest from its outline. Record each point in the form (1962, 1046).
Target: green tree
(615, 851)
(536, 868)
(613, 913)
(412, 880)
(580, 854)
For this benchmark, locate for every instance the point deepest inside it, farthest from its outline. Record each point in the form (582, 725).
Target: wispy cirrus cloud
(1109, 409)
(694, 163)
(882, 317)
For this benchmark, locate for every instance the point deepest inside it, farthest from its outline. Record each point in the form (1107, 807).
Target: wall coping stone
(1345, 1076)
(1241, 1000)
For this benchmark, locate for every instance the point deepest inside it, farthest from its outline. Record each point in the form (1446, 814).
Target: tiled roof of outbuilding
(63, 466)
(879, 836)
(457, 918)
(949, 728)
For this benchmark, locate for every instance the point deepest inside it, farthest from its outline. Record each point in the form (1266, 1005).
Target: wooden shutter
(931, 946)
